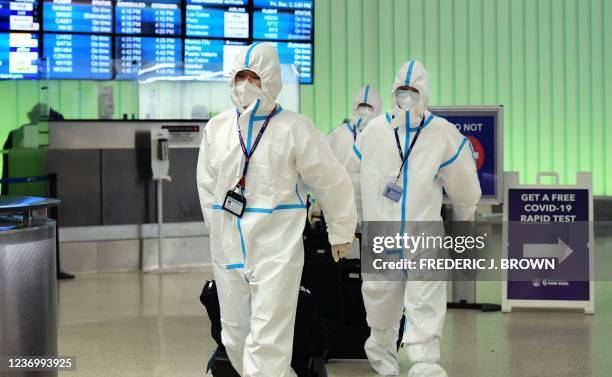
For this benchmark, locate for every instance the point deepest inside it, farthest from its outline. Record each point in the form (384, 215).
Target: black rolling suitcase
(311, 339)
(337, 288)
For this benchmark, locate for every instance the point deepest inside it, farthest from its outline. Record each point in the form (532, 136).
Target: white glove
(314, 213)
(341, 251)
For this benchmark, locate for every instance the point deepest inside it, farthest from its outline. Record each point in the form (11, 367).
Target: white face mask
(406, 99)
(366, 113)
(246, 93)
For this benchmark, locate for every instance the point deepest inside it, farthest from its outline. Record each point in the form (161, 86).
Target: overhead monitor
(283, 20)
(208, 21)
(177, 39)
(19, 15)
(299, 55)
(83, 16)
(154, 17)
(210, 59)
(19, 56)
(242, 3)
(138, 57)
(78, 56)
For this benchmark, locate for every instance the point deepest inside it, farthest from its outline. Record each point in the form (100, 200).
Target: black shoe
(61, 275)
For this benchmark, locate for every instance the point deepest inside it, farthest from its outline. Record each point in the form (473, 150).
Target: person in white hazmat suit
(412, 191)
(366, 106)
(258, 258)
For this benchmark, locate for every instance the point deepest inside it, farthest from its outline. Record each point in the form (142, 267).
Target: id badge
(393, 192)
(234, 203)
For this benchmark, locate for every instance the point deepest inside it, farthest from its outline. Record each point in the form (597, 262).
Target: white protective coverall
(442, 158)
(342, 139)
(258, 259)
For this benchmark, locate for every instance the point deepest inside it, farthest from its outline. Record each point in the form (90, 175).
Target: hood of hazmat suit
(257, 258)
(365, 96)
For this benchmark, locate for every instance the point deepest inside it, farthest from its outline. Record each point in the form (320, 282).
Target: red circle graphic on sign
(479, 152)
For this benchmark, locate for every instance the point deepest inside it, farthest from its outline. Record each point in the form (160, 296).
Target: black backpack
(309, 352)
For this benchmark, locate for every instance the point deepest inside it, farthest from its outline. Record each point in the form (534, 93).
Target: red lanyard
(248, 154)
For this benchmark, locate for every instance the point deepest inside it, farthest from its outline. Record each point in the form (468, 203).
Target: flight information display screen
(147, 56)
(160, 17)
(297, 54)
(139, 39)
(82, 16)
(19, 15)
(210, 59)
(18, 56)
(67, 60)
(273, 24)
(284, 4)
(242, 3)
(283, 20)
(206, 21)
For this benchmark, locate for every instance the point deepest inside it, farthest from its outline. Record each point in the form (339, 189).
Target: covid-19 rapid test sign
(549, 222)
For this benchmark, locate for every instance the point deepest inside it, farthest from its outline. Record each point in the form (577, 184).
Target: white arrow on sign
(560, 250)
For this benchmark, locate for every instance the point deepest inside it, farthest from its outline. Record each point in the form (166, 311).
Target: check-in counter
(104, 172)
(28, 292)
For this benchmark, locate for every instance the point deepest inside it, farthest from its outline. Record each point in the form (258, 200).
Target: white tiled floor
(145, 325)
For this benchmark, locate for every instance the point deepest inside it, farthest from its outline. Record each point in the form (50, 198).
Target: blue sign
(161, 17)
(86, 16)
(549, 224)
(18, 56)
(78, 56)
(482, 126)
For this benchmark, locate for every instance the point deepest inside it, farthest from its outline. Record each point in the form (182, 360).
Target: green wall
(547, 61)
